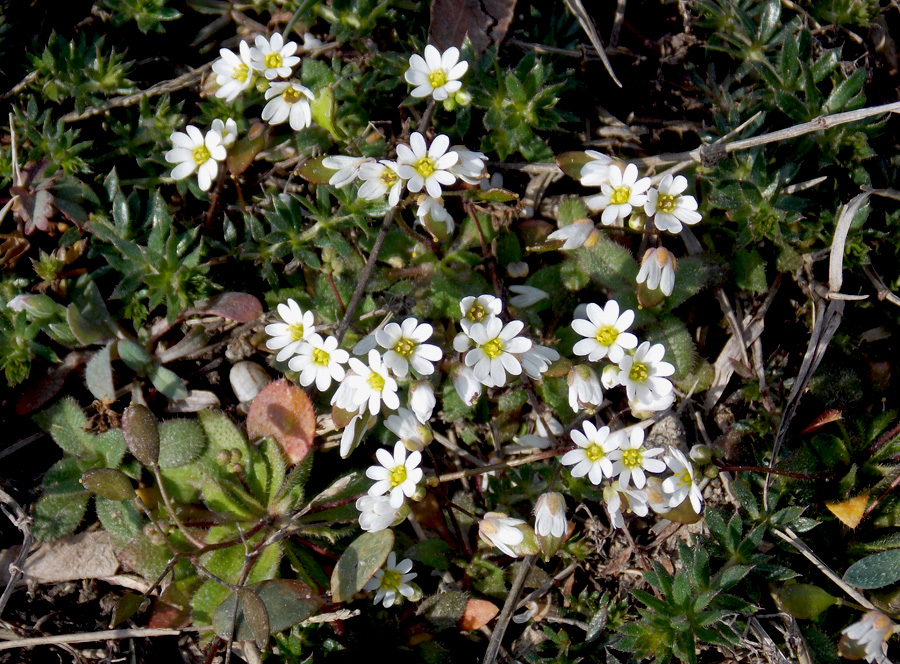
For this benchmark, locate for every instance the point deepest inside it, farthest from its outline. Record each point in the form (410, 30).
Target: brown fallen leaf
(283, 411)
(485, 22)
(478, 613)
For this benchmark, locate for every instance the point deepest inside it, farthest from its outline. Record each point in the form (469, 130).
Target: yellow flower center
(296, 331)
(404, 347)
(638, 372)
(476, 314)
(685, 478)
(606, 336)
(291, 95)
(273, 60)
(388, 178)
(201, 155)
(320, 357)
(594, 452)
(425, 167)
(665, 203)
(391, 580)
(397, 476)
(620, 195)
(240, 73)
(437, 78)
(632, 458)
(376, 382)
(493, 348)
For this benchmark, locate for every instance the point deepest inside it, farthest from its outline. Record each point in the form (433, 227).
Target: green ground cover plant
(514, 331)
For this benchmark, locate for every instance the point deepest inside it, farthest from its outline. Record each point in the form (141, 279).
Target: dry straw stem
(20, 520)
(183, 81)
(471, 472)
(506, 613)
(91, 637)
(577, 8)
(827, 319)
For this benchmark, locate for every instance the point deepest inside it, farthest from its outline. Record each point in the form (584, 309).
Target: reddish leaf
(240, 307)
(284, 412)
(825, 418)
(39, 392)
(242, 154)
(479, 612)
(166, 616)
(485, 22)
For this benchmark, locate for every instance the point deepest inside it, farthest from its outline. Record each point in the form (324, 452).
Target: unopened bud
(463, 97)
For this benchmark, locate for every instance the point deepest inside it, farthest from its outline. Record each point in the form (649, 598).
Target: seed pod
(141, 434)
(109, 483)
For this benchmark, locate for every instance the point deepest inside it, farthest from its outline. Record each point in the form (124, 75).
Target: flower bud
(585, 391)
(37, 307)
(422, 400)
(463, 97)
(550, 524)
(609, 377)
(512, 536)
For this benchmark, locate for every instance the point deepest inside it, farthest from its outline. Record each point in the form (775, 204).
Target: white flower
(643, 374)
(609, 377)
(466, 385)
(526, 296)
(376, 513)
(632, 459)
(391, 581)
(437, 74)
(288, 99)
(397, 475)
(354, 430)
(537, 359)
(550, 515)
(479, 309)
(867, 638)
(426, 167)
(668, 207)
(227, 130)
(292, 333)
(380, 178)
(195, 152)
(574, 235)
(499, 530)
(347, 168)
(432, 209)
(595, 173)
(585, 390)
(273, 57)
(658, 270)
(234, 73)
(421, 400)
(605, 332)
(623, 193)
(370, 385)
(407, 427)
(617, 498)
(494, 353)
(470, 167)
(310, 42)
(659, 403)
(682, 485)
(319, 360)
(364, 345)
(405, 345)
(592, 456)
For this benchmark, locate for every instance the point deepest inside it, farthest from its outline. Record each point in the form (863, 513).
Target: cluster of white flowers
(272, 59)
(641, 369)
(619, 461)
(392, 580)
(493, 351)
(422, 168)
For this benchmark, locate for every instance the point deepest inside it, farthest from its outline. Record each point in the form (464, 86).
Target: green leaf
(875, 571)
(168, 382)
(120, 519)
(65, 422)
(286, 603)
(126, 606)
(609, 264)
(750, 271)
(363, 557)
(141, 434)
(802, 600)
(58, 515)
(109, 483)
(180, 443)
(840, 97)
(432, 552)
(134, 356)
(98, 375)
